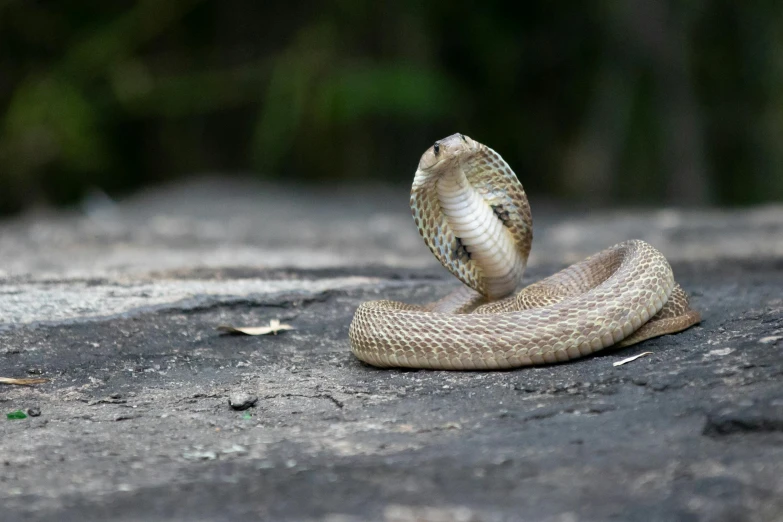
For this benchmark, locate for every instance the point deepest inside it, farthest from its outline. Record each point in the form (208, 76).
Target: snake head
(444, 153)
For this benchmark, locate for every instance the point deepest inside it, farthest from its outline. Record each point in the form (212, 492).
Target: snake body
(473, 214)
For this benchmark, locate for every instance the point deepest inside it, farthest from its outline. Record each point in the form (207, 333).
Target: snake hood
(472, 212)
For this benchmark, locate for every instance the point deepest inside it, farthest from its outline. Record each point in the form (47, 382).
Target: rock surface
(118, 305)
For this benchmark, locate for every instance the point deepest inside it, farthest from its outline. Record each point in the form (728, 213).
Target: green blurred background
(607, 102)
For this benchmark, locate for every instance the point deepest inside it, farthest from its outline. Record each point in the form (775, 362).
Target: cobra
(474, 216)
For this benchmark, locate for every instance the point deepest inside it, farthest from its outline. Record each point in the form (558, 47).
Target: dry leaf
(631, 359)
(21, 382)
(274, 327)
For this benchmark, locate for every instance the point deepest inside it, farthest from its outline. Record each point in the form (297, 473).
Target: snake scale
(473, 214)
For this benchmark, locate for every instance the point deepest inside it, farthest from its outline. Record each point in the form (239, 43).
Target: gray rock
(690, 432)
(240, 400)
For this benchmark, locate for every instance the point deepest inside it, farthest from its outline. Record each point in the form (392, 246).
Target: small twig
(631, 359)
(274, 327)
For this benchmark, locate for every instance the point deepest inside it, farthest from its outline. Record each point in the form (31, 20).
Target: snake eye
(436, 148)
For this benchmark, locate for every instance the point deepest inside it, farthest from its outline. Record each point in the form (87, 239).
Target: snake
(474, 215)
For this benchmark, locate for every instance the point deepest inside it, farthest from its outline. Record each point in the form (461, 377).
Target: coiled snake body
(474, 216)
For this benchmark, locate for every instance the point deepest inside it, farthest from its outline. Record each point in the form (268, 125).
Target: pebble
(199, 455)
(34, 412)
(241, 400)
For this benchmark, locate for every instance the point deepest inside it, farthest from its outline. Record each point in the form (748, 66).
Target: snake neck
(481, 233)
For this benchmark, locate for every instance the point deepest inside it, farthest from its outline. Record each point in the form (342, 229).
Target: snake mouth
(444, 152)
(432, 166)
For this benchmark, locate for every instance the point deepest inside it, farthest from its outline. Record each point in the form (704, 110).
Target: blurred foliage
(641, 101)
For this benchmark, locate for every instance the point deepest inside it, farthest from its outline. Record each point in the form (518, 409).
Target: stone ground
(118, 305)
